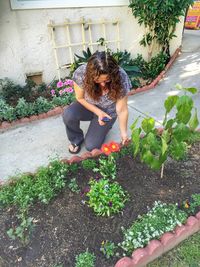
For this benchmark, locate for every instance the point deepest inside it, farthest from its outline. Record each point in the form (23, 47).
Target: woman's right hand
(101, 115)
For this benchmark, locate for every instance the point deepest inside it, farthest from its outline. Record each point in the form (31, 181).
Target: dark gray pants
(96, 133)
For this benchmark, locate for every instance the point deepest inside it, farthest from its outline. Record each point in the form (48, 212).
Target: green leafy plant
(49, 181)
(160, 219)
(73, 186)
(106, 198)
(89, 164)
(42, 105)
(24, 108)
(154, 147)
(108, 249)
(7, 113)
(22, 231)
(107, 167)
(160, 19)
(85, 259)
(151, 69)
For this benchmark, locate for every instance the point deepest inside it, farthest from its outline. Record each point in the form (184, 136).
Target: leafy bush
(85, 259)
(23, 108)
(7, 113)
(150, 70)
(42, 105)
(160, 219)
(106, 198)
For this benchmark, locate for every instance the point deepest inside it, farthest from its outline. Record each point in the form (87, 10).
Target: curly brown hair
(102, 63)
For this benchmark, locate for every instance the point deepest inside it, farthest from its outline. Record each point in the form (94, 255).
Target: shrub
(42, 105)
(23, 108)
(7, 113)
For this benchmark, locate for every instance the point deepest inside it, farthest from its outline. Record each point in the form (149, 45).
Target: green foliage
(23, 108)
(89, 164)
(150, 70)
(73, 186)
(7, 113)
(107, 167)
(49, 181)
(160, 219)
(85, 259)
(62, 101)
(26, 189)
(108, 249)
(160, 19)
(106, 198)
(42, 105)
(22, 231)
(154, 148)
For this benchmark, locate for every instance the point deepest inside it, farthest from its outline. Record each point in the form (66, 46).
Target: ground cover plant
(65, 213)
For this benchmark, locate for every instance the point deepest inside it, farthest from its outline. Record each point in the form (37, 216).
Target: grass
(187, 254)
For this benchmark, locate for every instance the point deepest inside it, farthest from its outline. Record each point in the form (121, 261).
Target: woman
(101, 88)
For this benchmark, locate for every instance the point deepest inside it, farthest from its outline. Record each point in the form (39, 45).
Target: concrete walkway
(25, 148)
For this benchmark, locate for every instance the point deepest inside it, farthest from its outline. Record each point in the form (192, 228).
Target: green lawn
(187, 254)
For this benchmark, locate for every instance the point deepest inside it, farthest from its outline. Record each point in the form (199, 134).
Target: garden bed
(67, 226)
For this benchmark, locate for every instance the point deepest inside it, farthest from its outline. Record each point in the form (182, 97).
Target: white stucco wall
(25, 42)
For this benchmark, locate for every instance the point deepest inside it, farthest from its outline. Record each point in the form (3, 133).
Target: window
(36, 4)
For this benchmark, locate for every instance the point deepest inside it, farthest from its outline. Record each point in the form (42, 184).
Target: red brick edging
(58, 110)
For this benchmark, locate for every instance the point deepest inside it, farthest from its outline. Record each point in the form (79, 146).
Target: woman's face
(102, 80)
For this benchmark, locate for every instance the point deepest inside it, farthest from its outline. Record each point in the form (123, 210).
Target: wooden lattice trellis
(87, 40)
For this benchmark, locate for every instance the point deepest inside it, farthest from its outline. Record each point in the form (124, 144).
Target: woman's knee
(89, 145)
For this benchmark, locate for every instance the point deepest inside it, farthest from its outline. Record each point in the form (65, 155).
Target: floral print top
(104, 103)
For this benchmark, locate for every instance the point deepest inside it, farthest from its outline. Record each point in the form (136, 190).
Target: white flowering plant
(160, 219)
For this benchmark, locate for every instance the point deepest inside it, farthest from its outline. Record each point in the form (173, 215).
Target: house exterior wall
(25, 40)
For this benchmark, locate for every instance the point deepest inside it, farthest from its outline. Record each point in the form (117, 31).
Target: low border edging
(58, 110)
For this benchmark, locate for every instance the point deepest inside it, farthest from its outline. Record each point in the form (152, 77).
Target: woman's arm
(122, 113)
(80, 98)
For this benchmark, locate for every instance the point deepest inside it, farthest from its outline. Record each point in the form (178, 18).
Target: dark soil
(67, 227)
